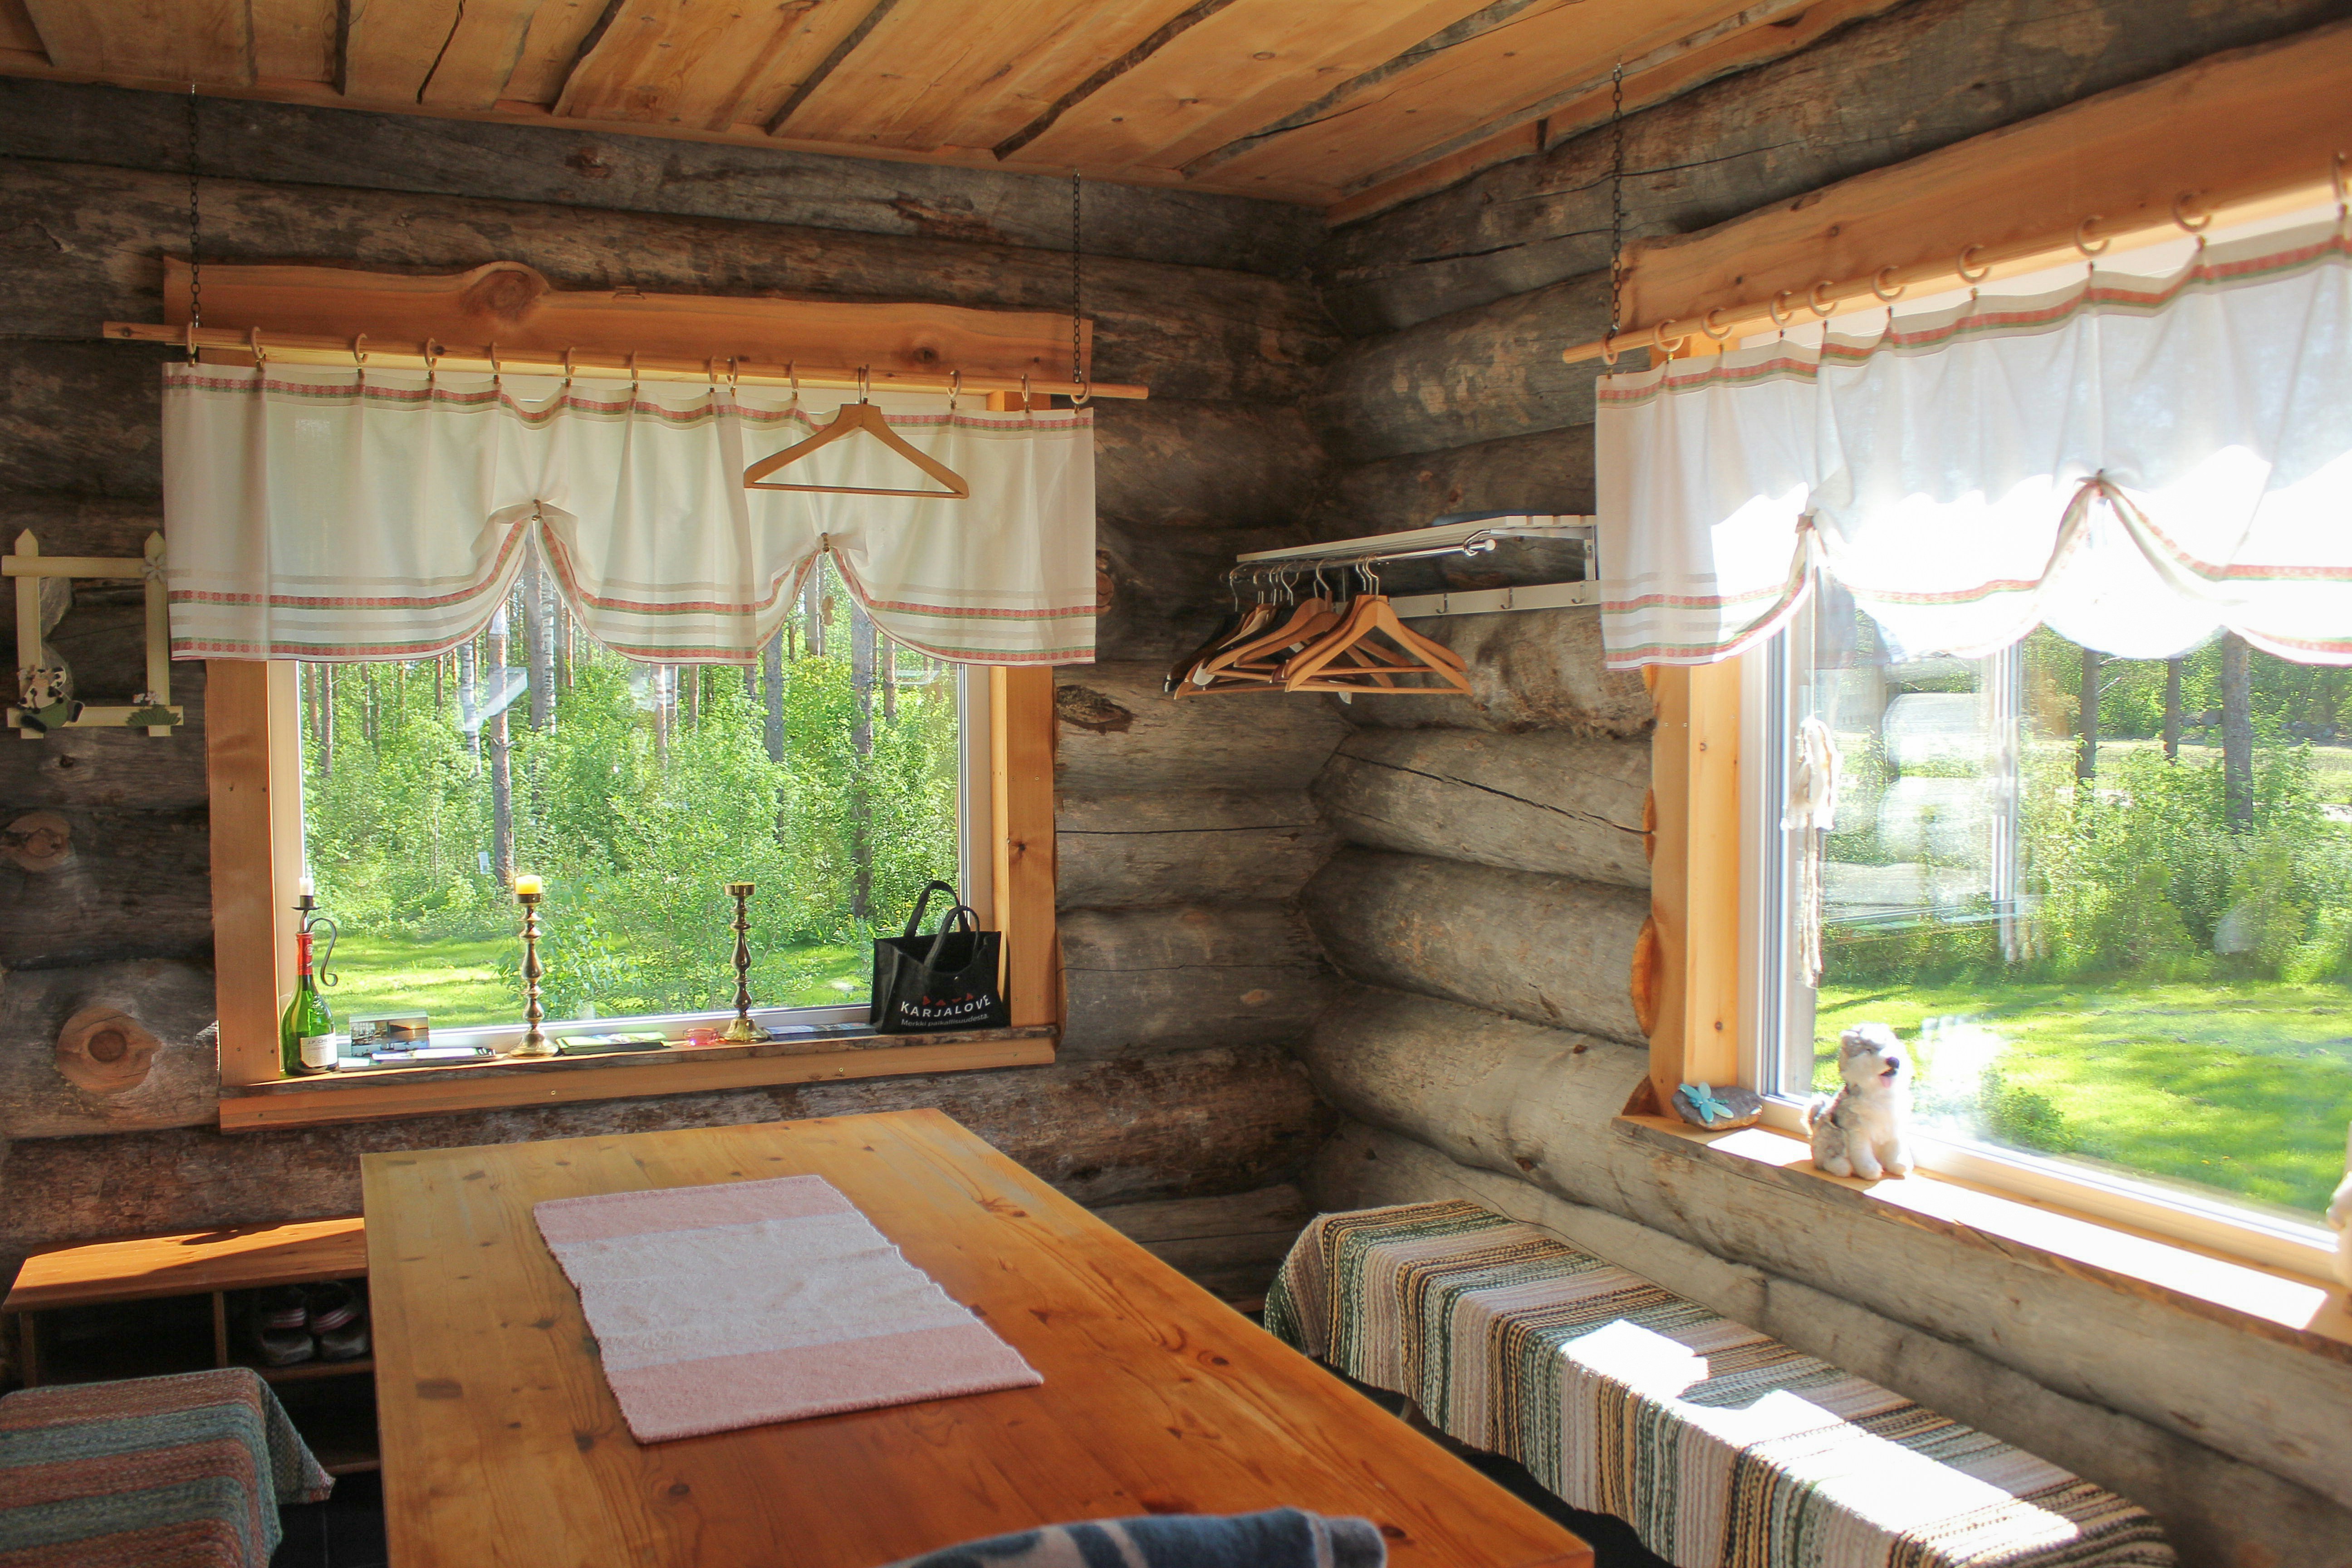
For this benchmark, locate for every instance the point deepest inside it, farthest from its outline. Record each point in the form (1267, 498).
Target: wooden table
(503, 1445)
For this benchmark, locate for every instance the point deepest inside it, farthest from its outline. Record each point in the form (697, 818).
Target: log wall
(1188, 830)
(1491, 877)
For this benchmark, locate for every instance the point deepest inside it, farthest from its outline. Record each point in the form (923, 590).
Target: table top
(503, 1446)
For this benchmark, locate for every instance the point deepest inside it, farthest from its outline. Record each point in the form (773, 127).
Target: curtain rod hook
(734, 371)
(432, 357)
(2083, 237)
(1706, 325)
(359, 351)
(253, 337)
(1884, 291)
(567, 367)
(498, 372)
(2180, 217)
(1981, 273)
(1814, 300)
(955, 388)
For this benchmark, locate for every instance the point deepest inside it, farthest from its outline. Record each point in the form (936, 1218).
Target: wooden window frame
(1699, 949)
(253, 751)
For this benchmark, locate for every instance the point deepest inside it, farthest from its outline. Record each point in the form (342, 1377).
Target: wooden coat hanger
(847, 421)
(1415, 655)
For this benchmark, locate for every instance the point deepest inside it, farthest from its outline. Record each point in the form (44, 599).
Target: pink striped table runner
(721, 1306)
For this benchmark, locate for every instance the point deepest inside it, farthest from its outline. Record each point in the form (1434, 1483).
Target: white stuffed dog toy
(1866, 1131)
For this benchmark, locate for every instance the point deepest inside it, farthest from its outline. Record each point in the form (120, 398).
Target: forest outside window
(828, 773)
(2107, 902)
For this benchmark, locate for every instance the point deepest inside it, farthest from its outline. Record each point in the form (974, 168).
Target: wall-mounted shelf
(1522, 562)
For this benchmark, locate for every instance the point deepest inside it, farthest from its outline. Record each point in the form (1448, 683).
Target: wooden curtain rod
(2192, 213)
(361, 351)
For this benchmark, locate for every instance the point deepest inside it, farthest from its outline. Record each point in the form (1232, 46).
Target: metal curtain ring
(1814, 300)
(1706, 325)
(2181, 217)
(1878, 286)
(1778, 319)
(2083, 237)
(1981, 273)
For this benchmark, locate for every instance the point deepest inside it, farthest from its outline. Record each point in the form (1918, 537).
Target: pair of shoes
(290, 1324)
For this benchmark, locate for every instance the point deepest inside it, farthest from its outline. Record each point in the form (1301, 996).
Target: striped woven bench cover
(151, 1472)
(1721, 1447)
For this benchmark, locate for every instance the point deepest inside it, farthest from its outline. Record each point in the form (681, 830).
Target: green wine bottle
(306, 1035)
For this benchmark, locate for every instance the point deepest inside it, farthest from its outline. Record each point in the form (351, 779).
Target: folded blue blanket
(1280, 1537)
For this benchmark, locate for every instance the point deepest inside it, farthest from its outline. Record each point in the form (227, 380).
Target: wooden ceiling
(1343, 104)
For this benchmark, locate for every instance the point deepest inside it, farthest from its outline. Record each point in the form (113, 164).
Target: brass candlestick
(534, 1041)
(743, 1031)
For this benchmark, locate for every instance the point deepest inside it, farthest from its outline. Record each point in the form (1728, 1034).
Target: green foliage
(636, 834)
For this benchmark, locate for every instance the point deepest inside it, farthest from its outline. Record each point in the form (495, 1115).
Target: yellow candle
(526, 886)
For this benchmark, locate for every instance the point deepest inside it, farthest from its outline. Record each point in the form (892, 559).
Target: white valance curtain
(335, 516)
(2134, 461)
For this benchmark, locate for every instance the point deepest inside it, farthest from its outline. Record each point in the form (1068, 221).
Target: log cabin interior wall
(1370, 952)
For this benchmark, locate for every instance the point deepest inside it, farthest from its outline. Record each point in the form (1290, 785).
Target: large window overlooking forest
(826, 775)
(2111, 901)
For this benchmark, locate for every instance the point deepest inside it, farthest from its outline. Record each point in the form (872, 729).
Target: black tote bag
(945, 981)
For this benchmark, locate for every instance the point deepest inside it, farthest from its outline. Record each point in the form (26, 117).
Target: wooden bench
(210, 1263)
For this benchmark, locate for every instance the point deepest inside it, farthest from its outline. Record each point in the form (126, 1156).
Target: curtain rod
(2192, 213)
(362, 352)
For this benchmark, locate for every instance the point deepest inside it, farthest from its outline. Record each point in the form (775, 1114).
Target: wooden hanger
(851, 418)
(1412, 654)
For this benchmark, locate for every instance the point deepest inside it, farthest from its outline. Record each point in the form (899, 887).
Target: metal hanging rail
(1477, 536)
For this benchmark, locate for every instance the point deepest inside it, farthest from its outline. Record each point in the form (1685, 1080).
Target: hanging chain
(195, 278)
(1081, 390)
(1617, 201)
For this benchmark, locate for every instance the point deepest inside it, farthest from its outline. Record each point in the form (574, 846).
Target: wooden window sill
(2292, 1309)
(685, 1069)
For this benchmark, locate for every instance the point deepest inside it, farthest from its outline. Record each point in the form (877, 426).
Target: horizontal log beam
(1549, 950)
(1518, 1098)
(2247, 133)
(1118, 732)
(1231, 1246)
(1184, 332)
(171, 1001)
(1544, 473)
(1542, 801)
(1143, 982)
(1145, 848)
(1195, 1123)
(132, 884)
(1529, 670)
(2214, 1509)
(1485, 373)
(1920, 76)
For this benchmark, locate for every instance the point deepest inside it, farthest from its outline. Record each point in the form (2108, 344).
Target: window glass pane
(2127, 953)
(635, 792)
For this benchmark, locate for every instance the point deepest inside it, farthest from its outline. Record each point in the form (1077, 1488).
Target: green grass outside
(462, 983)
(2243, 1087)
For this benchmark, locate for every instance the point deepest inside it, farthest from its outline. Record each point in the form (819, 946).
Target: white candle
(526, 886)
(310, 887)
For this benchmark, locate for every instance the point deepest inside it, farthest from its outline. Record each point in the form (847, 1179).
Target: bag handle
(915, 921)
(963, 912)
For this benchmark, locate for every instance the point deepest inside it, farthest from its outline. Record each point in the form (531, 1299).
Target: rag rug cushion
(151, 1472)
(1716, 1444)
(1278, 1538)
(722, 1307)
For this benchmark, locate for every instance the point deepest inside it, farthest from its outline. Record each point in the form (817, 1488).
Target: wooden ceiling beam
(389, 47)
(480, 56)
(1355, 92)
(1246, 66)
(690, 62)
(1168, 32)
(1759, 33)
(834, 57)
(179, 40)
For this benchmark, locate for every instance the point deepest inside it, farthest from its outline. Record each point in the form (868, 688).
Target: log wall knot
(1083, 707)
(38, 841)
(105, 1050)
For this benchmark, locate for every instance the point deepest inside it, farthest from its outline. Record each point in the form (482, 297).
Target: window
(828, 777)
(2107, 902)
